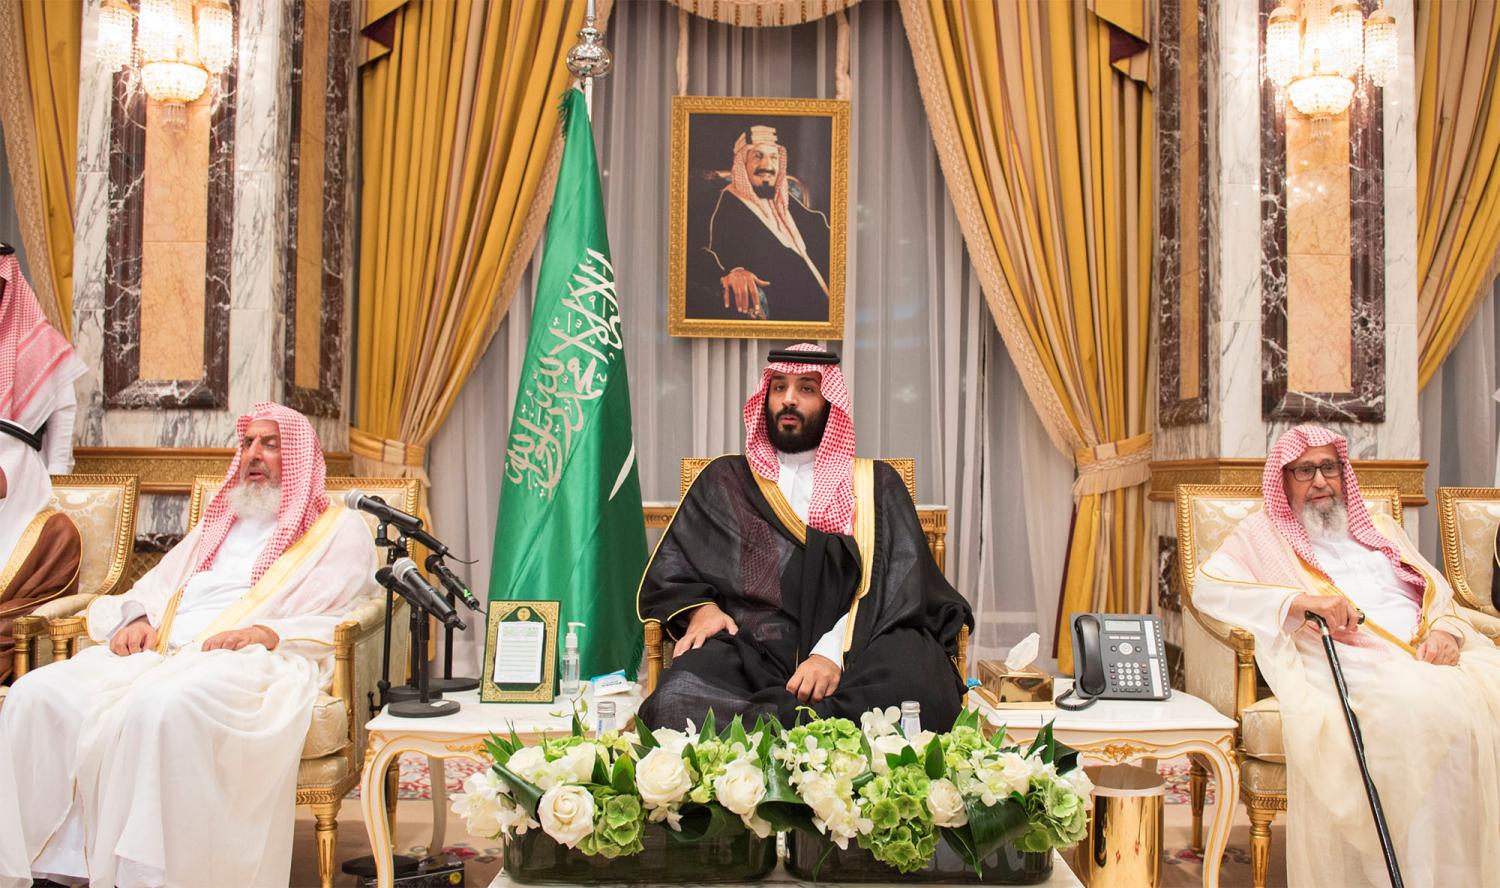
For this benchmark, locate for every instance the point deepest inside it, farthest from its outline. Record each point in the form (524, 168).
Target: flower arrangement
(894, 796)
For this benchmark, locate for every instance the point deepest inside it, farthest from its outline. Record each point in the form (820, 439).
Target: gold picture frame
(545, 612)
(813, 135)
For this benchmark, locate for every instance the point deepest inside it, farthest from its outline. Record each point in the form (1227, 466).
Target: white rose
(485, 783)
(847, 765)
(662, 778)
(880, 747)
(945, 803)
(667, 738)
(578, 762)
(527, 763)
(1015, 772)
(817, 790)
(567, 814)
(741, 787)
(480, 815)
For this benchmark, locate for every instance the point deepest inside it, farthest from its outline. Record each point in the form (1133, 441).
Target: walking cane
(1359, 752)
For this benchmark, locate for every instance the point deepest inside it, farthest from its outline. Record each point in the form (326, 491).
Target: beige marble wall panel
(1317, 187)
(174, 235)
(312, 145)
(1190, 344)
(1318, 310)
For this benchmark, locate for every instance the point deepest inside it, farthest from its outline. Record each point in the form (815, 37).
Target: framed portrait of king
(758, 220)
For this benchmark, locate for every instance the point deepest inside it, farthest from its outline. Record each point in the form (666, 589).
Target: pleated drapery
(39, 60)
(1458, 170)
(460, 152)
(1042, 119)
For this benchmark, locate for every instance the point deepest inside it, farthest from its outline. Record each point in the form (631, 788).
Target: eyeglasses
(1330, 470)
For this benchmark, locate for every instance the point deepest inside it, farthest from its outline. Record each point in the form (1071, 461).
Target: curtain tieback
(1113, 465)
(397, 453)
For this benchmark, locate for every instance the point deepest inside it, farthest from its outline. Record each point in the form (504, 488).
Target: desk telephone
(1117, 657)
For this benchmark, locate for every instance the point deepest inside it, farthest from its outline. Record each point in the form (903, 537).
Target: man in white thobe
(166, 755)
(1423, 683)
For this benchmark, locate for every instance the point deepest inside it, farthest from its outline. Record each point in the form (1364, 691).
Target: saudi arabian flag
(570, 525)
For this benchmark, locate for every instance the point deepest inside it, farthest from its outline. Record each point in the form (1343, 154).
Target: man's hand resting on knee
(707, 622)
(815, 679)
(134, 638)
(235, 639)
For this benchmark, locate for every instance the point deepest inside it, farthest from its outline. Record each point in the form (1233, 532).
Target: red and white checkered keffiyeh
(832, 507)
(304, 493)
(30, 348)
(1287, 450)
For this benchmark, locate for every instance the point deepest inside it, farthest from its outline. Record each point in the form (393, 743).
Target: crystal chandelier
(1316, 56)
(177, 45)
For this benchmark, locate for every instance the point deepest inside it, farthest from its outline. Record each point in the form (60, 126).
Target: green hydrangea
(1058, 815)
(959, 746)
(830, 733)
(619, 821)
(902, 835)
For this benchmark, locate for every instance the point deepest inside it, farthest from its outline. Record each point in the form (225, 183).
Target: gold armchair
(1219, 662)
(1467, 518)
(934, 526)
(103, 508)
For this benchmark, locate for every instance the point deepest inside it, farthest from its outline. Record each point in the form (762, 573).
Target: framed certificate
(520, 652)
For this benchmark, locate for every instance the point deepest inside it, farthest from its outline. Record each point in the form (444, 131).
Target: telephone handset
(1117, 657)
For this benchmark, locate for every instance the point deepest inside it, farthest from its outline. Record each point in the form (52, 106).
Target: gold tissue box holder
(1005, 688)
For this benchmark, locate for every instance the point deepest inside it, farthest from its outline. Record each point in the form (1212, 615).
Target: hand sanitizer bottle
(570, 683)
(911, 718)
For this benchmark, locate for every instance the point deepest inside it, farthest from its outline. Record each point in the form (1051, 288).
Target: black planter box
(1006, 866)
(535, 858)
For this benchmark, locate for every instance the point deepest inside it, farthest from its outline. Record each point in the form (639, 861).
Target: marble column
(186, 302)
(1285, 307)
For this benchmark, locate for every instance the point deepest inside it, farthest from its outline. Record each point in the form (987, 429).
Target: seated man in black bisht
(797, 575)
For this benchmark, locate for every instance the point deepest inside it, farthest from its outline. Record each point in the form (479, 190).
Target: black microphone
(356, 499)
(415, 588)
(451, 582)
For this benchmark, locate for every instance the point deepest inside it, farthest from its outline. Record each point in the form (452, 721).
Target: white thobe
(796, 483)
(1431, 733)
(181, 770)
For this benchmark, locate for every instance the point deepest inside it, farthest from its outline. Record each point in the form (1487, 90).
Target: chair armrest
(67, 606)
(653, 654)
(1483, 623)
(28, 632)
(358, 644)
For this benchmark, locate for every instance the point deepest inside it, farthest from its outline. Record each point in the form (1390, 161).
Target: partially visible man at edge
(795, 575)
(167, 754)
(1424, 684)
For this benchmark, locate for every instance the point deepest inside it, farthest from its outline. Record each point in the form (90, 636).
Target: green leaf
(526, 793)
(623, 778)
(781, 806)
(737, 732)
(967, 718)
(1043, 744)
(690, 752)
(577, 725)
(892, 760)
(998, 740)
(702, 822)
(647, 739)
(858, 782)
(935, 766)
(1064, 757)
(601, 773)
(908, 755)
(961, 840)
(709, 732)
(993, 825)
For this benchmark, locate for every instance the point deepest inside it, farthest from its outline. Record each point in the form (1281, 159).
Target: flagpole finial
(589, 58)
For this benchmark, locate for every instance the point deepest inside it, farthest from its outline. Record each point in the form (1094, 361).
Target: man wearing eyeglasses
(1423, 682)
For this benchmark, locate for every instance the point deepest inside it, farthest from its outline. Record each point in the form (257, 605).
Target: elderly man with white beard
(167, 753)
(1424, 684)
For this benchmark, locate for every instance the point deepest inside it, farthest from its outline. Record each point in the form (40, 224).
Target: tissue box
(1028, 688)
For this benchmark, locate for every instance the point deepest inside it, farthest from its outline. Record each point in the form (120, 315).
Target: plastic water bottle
(606, 712)
(911, 718)
(570, 678)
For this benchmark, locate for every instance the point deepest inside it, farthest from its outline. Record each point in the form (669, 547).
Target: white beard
(1330, 522)
(255, 501)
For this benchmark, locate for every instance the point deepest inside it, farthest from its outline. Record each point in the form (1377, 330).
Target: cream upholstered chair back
(403, 493)
(1467, 518)
(103, 507)
(1208, 513)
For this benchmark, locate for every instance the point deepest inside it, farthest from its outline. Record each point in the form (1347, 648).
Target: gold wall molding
(1406, 475)
(170, 470)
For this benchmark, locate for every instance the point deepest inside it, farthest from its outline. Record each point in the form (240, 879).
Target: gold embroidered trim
(783, 509)
(864, 537)
(666, 530)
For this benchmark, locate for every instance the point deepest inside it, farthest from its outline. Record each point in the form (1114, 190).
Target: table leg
(372, 798)
(437, 776)
(1227, 784)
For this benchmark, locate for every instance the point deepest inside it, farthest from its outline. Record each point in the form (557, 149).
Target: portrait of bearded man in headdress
(762, 219)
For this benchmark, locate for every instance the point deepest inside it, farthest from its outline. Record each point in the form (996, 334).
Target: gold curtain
(1458, 170)
(461, 146)
(1042, 118)
(39, 47)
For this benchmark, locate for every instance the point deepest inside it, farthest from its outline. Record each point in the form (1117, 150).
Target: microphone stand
(449, 684)
(418, 698)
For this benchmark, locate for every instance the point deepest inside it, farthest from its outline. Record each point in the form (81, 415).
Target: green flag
(570, 525)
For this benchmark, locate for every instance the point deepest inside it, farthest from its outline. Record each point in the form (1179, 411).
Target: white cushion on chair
(1261, 729)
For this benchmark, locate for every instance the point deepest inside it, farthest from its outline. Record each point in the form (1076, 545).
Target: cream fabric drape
(39, 47)
(764, 13)
(1458, 169)
(460, 151)
(929, 376)
(1045, 137)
